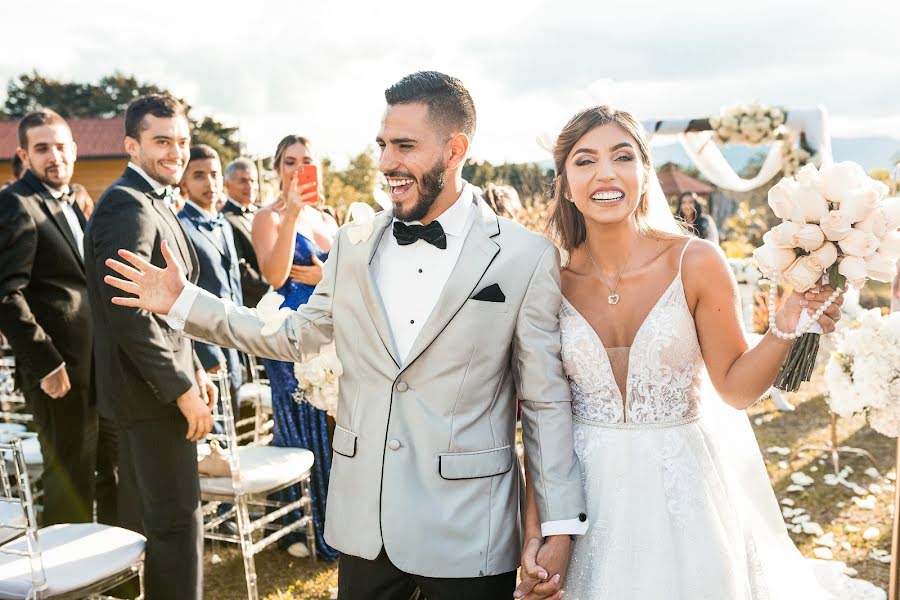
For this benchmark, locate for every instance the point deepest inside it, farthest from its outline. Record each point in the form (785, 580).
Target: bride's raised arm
(741, 375)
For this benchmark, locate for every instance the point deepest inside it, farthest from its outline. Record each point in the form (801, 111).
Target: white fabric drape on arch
(706, 155)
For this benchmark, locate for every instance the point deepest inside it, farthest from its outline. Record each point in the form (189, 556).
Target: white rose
(781, 198)
(730, 122)
(839, 179)
(803, 273)
(811, 204)
(880, 268)
(875, 223)
(808, 175)
(714, 122)
(836, 225)
(809, 237)
(777, 116)
(853, 268)
(859, 203)
(859, 243)
(783, 235)
(891, 210)
(772, 260)
(889, 246)
(880, 188)
(826, 255)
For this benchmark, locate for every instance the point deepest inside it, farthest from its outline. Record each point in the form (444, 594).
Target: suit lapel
(370, 295)
(477, 253)
(175, 227)
(54, 210)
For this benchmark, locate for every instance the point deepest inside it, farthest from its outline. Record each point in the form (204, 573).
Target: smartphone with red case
(307, 174)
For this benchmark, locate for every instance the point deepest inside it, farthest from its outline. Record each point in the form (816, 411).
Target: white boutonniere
(361, 219)
(270, 312)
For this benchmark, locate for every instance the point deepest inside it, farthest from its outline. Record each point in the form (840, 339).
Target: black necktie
(432, 233)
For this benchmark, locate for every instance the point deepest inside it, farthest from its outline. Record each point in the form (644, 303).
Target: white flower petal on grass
(882, 556)
(801, 478)
(781, 450)
(826, 540)
(783, 464)
(867, 503)
(846, 546)
(871, 533)
(795, 488)
(787, 502)
(802, 520)
(872, 472)
(823, 553)
(851, 528)
(875, 488)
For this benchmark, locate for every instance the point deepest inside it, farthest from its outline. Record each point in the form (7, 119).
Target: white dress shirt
(71, 217)
(411, 278)
(77, 233)
(158, 188)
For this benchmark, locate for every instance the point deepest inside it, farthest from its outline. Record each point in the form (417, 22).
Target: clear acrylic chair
(256, 473)
(257, 393)
(60, 562)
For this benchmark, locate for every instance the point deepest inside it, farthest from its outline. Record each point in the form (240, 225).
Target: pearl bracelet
(806, 326)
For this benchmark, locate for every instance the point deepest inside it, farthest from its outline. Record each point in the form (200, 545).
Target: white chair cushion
(255, 393)
(263, 468)
(31, 449)
(74, 557)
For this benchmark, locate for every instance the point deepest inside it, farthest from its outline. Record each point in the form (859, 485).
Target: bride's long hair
(565, 225)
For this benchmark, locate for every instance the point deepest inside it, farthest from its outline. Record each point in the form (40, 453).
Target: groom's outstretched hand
(153, 289)
(544, 564)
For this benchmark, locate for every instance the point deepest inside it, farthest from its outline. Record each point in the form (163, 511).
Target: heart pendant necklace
(613, 297)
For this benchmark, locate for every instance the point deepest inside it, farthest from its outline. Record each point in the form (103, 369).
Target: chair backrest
(226, 434)
(17, 509)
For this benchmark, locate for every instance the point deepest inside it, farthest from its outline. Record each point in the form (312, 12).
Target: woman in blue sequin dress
(291, 249)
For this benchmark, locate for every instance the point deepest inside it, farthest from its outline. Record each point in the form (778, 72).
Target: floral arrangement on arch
(317, 381)
(753, 123)
(863, 371)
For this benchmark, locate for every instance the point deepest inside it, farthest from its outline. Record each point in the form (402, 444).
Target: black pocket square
(491, 293)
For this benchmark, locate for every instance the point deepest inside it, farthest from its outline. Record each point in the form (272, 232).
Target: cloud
(320, 69)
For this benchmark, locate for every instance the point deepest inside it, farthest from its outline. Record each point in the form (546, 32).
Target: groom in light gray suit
(443, 315)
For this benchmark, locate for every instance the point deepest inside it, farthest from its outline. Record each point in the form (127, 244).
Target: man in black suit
(213, 240)
(45, 315)
(148, 376)
(241, 186)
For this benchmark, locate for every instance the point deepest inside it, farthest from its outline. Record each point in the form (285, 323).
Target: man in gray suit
(442, 315)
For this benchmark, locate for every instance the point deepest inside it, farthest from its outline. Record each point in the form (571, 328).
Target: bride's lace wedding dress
(676, 513)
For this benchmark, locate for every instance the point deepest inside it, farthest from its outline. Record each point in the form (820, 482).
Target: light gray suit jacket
(424, 450)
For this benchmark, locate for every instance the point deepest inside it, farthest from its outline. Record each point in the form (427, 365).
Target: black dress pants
(380, 579)
(67, 432)
(159, 496)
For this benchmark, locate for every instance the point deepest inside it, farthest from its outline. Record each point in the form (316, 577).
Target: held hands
(308, 275)
(156, 289)
(788, 315)
(56, 385)
(196, 406)
(544, 564)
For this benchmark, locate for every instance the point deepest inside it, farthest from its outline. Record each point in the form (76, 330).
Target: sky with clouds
(320, 68)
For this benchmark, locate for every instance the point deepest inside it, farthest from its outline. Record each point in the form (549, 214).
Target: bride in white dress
(679, 503)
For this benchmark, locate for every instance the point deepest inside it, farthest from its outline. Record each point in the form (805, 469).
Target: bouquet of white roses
(863, 372)
(836, 224)
(748, 124)
(317, 381)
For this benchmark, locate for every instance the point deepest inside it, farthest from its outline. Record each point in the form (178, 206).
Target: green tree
(355, 183)
(107, 98)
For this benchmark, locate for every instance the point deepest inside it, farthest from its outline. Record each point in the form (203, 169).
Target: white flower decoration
(270, 312)
(361, 217)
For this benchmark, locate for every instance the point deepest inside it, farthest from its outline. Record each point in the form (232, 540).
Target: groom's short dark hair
(157, 105)
(448, 101)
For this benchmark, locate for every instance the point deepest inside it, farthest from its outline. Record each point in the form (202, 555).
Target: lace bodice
(665, 367)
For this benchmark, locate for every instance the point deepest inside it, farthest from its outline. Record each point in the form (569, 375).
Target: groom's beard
(429, 187)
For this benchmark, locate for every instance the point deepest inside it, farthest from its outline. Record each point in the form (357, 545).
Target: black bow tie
(432, 233)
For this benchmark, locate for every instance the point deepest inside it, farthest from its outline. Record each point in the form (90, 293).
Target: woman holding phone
(292, 238)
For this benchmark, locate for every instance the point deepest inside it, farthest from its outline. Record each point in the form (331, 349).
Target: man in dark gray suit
(148, 376)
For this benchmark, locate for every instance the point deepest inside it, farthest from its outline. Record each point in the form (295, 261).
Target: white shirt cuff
(53, 372)
(564, 527)
(179, 312)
